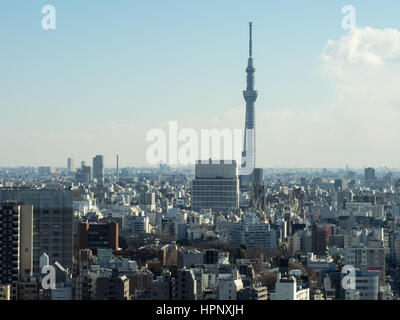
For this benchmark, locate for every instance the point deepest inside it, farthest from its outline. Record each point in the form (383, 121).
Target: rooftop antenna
(251, 39)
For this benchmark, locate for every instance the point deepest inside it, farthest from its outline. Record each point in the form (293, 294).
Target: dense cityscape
(200, 232)
(142, 234)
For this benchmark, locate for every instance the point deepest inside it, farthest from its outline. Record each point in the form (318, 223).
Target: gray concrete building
(161, 288)
(216, 185)
(189, 258)
(186, 287)
(52, 222)
(70, 165)
(98, 168)
(254, 235)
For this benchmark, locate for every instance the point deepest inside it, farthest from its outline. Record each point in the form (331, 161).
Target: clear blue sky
(152, 61)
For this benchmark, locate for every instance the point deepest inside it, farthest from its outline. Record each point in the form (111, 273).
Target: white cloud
(372, 47)
(361, 126)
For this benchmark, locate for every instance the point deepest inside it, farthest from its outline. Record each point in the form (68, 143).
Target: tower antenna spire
(250, 96)
(251, 39)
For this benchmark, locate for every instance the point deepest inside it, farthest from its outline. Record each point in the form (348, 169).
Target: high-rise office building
(87, 172)
(319, 240)
(16, 229)
(117, 172)
(216, 185)
(369, 174)
(70, 164)
(258, 176)
(84, 174)
(26, 245)
(52, 222)
(98, 168)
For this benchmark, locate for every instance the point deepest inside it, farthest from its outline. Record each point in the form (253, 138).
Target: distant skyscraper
(117, 167)
(98, 168)
(369, 174)
(70, 164)
(84, 174)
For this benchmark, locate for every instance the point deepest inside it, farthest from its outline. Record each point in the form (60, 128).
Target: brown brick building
(98, 235)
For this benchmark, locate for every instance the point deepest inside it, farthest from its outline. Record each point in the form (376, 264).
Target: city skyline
(132, 169)
(95, 105)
